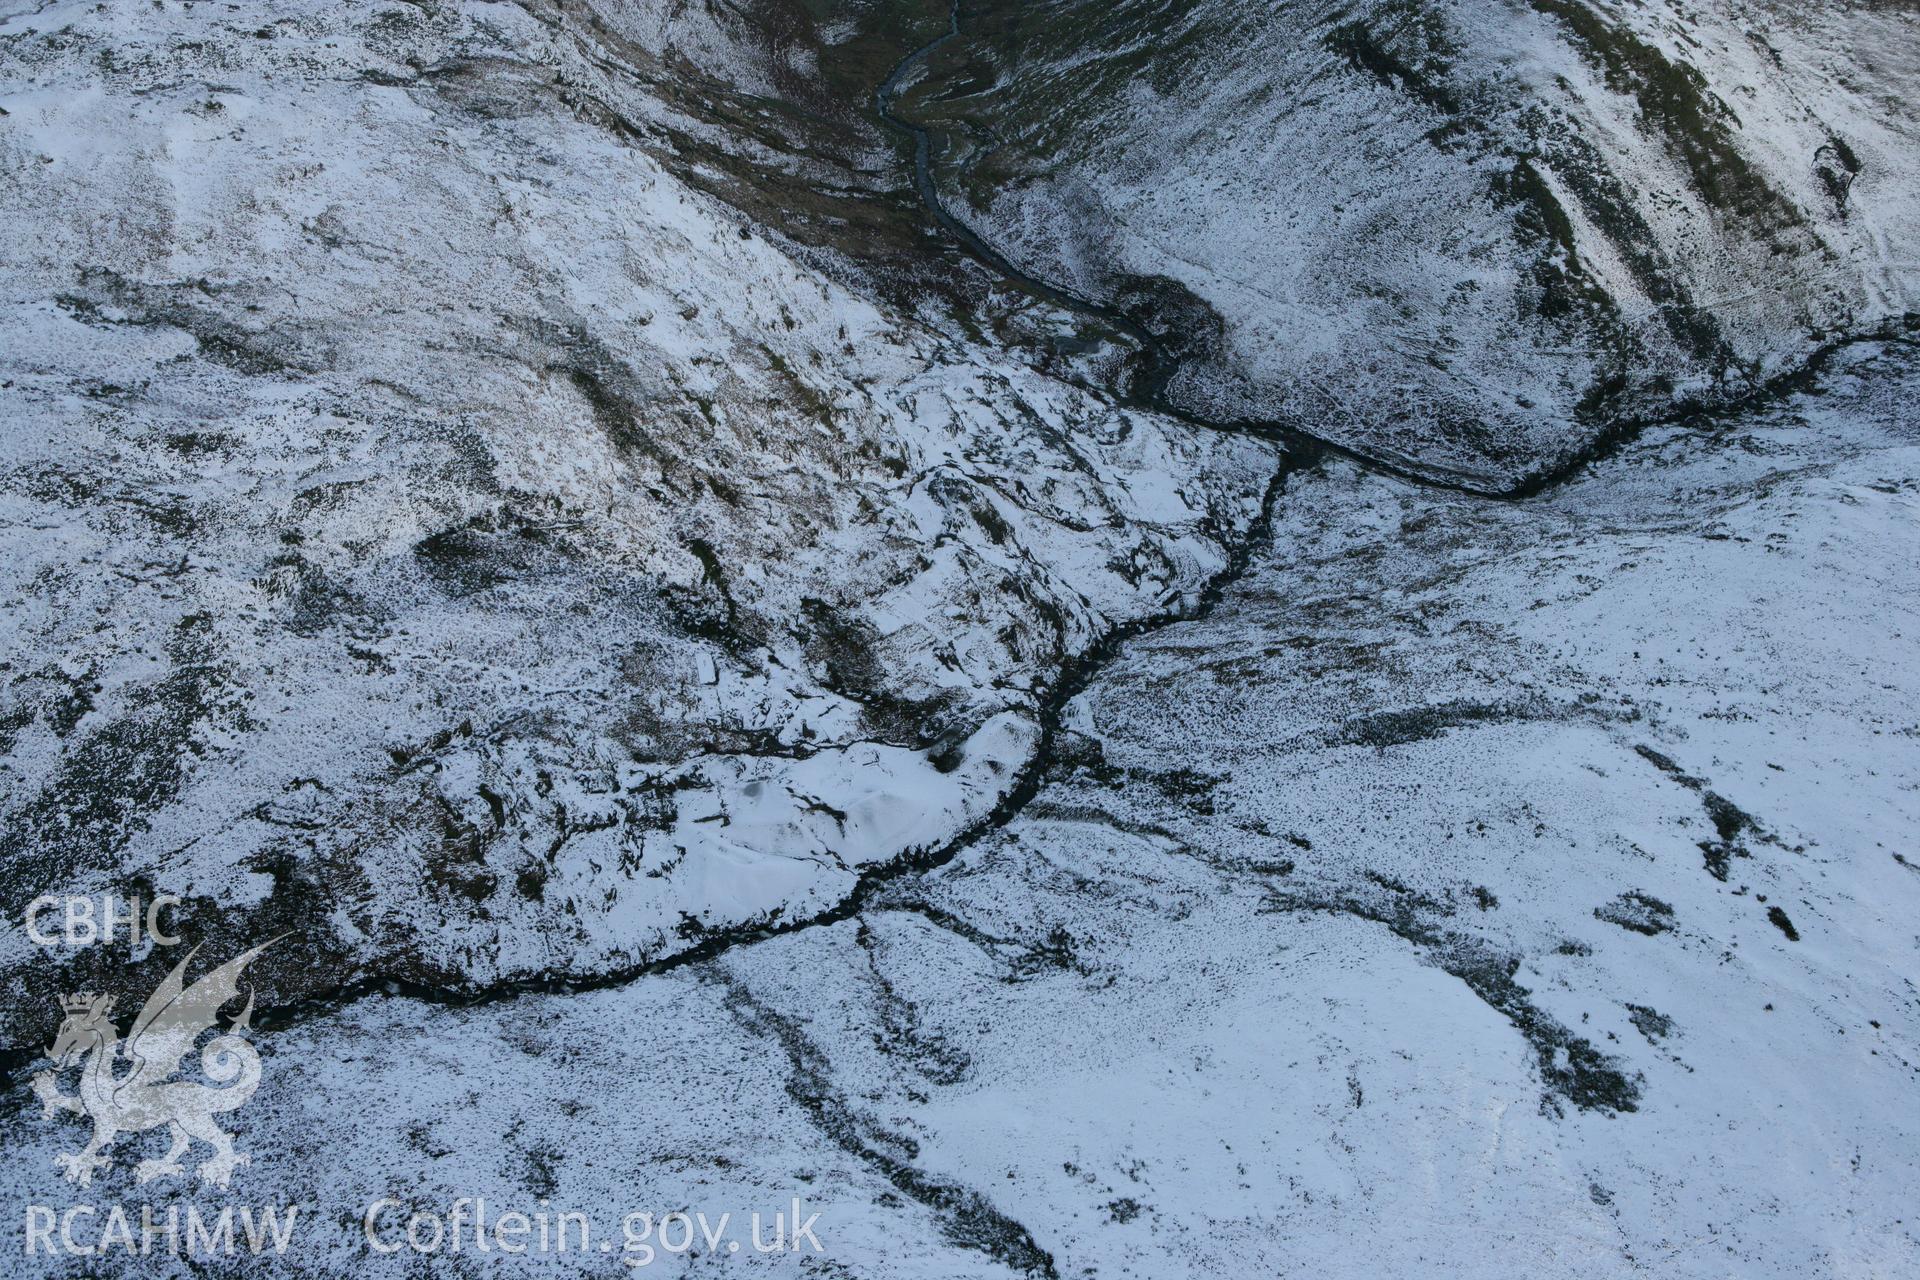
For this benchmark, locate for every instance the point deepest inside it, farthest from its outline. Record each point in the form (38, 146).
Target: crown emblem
(79, 1001)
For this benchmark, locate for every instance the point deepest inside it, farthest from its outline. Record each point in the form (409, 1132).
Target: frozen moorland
(1288, 651)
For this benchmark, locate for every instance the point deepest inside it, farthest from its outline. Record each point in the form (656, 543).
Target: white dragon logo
(144, 1097)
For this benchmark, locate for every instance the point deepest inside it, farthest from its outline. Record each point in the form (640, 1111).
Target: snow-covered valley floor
(1519, 889)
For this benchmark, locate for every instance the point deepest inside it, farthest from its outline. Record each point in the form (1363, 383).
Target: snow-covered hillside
(1469, 236)
(444, 532)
